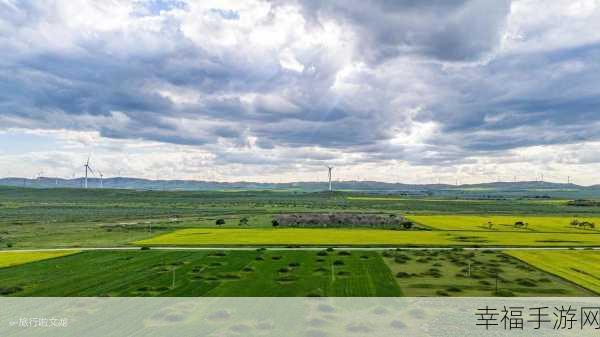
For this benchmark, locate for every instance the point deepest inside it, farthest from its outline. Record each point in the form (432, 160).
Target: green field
(282, 273)
(362, 237)
(8, 259)
(206, 273)
(73, 218)
(475, 273)
(580, 267)
(506, 223)
(65, 218)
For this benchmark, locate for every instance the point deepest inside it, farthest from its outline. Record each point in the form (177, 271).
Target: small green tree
(243, 221)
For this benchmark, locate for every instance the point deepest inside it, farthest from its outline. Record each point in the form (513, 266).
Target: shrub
(442, 293)
(387, 254)
(220, 222)
(504, 293)
(453, 289)
(145, 248)
(526, 282)
(338, 263)
(407, 224)
(243, 221)
(402, 274)
(275, 223)
(10, 290)
(521, 224)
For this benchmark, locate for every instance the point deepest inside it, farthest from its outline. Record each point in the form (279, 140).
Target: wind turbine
(101, 176)
(87, 169)
(330, 168)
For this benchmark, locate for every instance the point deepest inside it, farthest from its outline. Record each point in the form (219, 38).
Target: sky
(412, 91)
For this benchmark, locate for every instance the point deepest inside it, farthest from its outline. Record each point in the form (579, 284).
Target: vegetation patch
(341, 220)
(472, 273)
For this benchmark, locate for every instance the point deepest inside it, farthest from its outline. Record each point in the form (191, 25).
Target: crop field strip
(580, 267)
(8, 258)
(363, 237)
(210, 273)
(541, 224)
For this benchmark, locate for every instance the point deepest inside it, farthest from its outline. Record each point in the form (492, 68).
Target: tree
(490, 224)
(520, 224)
(220, 222)
(243, 221)
(275, 223)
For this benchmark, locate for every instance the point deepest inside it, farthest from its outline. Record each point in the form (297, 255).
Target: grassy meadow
(205, 273)
(472, 273)
(73, 218)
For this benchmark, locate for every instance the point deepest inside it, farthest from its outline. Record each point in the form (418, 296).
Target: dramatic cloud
(263, 89)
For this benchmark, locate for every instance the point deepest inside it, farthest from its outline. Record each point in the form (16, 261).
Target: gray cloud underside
(438, 58)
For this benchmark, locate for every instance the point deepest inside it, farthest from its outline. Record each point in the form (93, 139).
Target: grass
(506, 223)
(282, 274)
(447, 273)
(206, 273)
(8, 259)
(580, 267)
(65, 218)
(363, 237)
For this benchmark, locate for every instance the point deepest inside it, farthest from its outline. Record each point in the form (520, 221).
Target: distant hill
(361, 186)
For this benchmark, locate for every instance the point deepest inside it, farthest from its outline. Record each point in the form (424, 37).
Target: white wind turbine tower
(87, 169)
(330, 168)
(101, 179)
